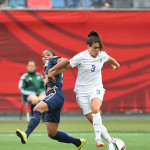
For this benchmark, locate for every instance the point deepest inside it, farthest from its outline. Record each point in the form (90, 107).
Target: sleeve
(23, 86)
(48, 66)
(22, 83)
(76, 60)
(105, 57)
(52, 62)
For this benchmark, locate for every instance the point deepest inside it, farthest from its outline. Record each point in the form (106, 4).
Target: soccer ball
(116, 144)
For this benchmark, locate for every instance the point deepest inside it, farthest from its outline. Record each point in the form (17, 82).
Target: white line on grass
(43, 134)
(8, 134)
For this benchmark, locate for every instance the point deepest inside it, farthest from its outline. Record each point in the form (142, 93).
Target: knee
(51, 134)
(41, 107)
(95, 110)
(37, 108)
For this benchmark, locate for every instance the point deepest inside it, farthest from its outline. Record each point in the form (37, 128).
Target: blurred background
(27, 27)
(73, 4)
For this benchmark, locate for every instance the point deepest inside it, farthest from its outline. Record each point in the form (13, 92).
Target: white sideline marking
(8, 134)
(130, 134)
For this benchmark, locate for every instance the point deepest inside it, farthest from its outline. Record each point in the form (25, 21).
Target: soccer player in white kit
(89, 87)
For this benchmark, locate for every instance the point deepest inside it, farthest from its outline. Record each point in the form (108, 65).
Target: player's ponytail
(93, 33)
(93, 37)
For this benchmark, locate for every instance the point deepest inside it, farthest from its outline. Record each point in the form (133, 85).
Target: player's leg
(104, 132)
(34, 121)
(84, 102)
(41, 97)
(96, 102)
(33, 99)
(97, 120)
(52, 119)
(62, 136)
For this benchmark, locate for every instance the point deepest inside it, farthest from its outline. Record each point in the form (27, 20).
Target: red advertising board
(126, 36)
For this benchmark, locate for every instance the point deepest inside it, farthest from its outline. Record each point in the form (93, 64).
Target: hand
(51, 76)
(46, 81)
(114, 67)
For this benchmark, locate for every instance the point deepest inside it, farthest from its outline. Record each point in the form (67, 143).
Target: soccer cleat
(22, 135)
(83, 141)
(99, 144)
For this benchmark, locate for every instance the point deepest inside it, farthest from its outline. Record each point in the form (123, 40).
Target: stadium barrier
(126, 36)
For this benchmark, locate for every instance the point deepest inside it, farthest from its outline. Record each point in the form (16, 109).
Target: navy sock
(34, 121)
(65, 138)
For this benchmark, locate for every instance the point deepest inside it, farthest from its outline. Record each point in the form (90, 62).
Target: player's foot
(83, 141)
(22, 135)
(99, 144)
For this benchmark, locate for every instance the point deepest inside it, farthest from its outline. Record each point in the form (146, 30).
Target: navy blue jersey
(58, 78)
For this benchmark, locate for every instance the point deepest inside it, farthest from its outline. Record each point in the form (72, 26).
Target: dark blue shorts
(55, 100)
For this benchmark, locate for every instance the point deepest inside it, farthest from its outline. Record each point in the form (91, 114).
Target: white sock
(105, 134)
(97, 124)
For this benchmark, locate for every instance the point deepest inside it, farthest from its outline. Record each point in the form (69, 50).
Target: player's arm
(114, 63)
(62, 65)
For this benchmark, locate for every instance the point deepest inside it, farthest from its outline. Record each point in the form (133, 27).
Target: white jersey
(89, 71)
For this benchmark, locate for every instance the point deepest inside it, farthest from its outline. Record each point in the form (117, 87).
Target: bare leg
(41, 97)
(33, 99)
(61, 136)
(51, 129)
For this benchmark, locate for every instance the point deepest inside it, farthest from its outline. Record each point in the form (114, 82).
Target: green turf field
(135, 134)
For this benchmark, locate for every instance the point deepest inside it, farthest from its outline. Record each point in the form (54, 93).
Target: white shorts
(84, 100)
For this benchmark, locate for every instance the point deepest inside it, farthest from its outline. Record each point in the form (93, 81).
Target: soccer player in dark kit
(51, 105)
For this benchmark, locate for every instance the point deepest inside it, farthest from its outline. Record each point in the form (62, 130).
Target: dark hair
(30, 61)
(51, 51)
(93, 37)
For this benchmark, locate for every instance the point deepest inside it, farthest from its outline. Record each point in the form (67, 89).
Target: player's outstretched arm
(62, 65)
(114, 63)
